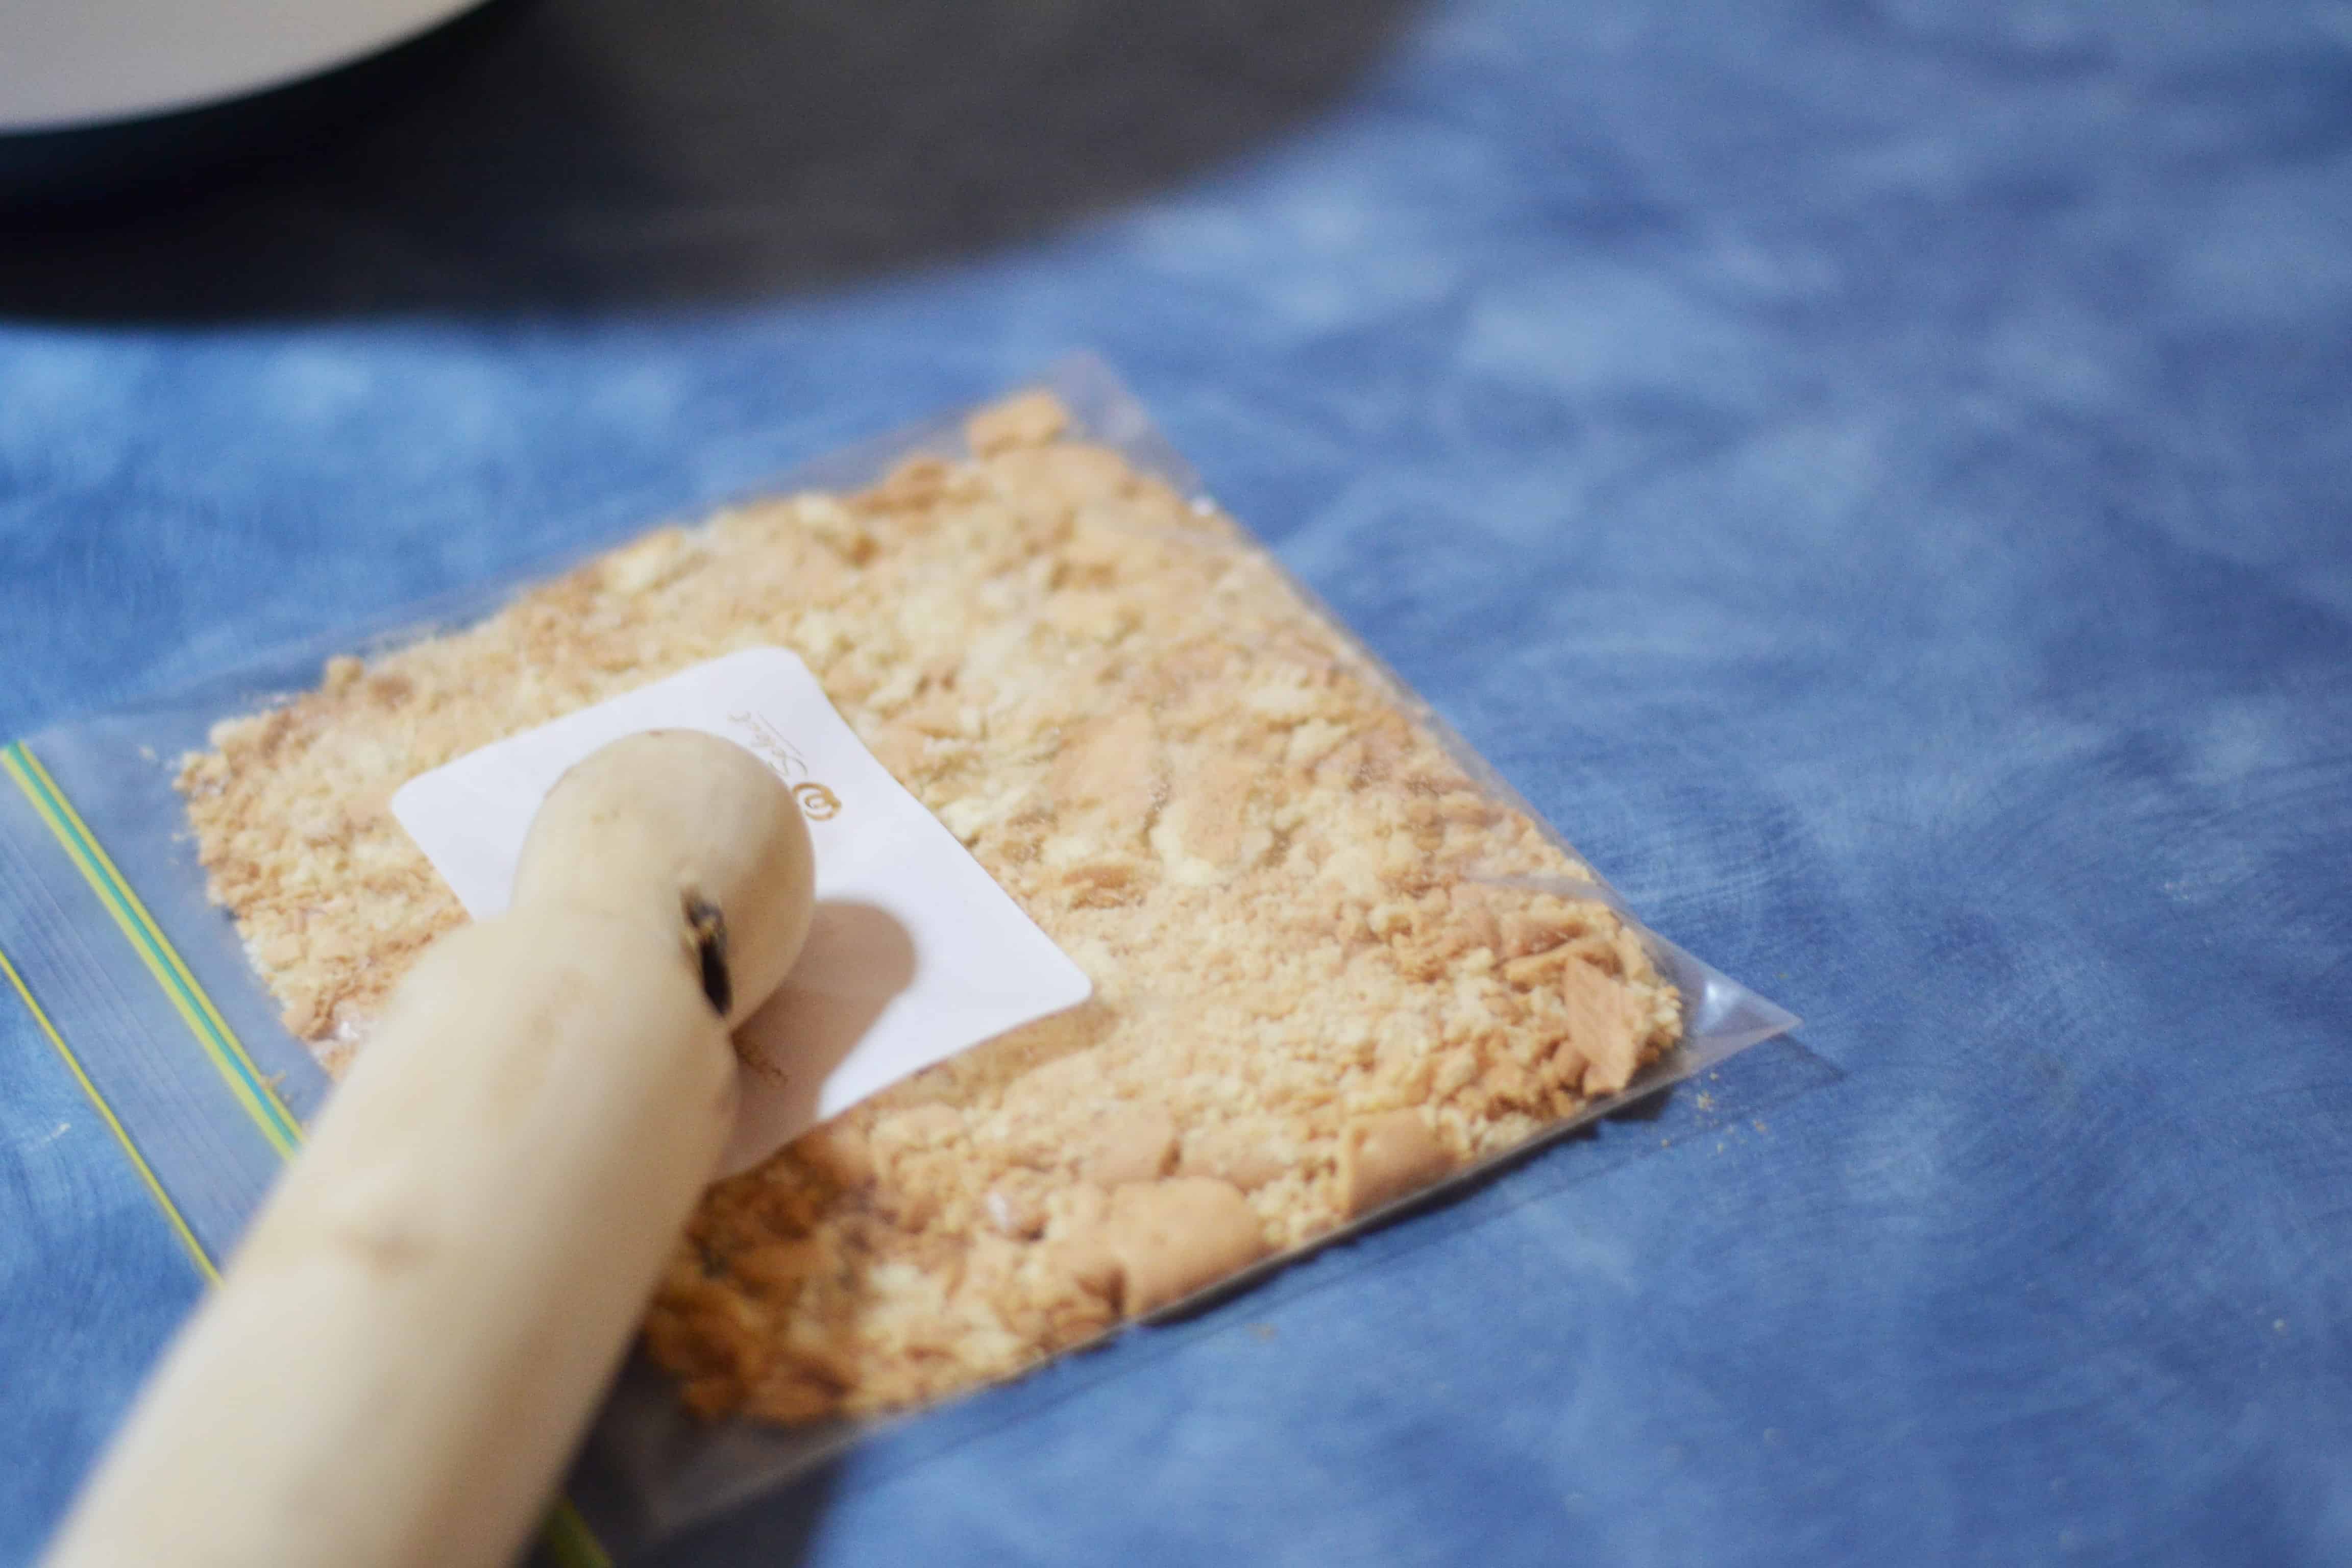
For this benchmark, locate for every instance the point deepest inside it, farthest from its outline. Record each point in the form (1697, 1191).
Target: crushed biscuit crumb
(1320, 982)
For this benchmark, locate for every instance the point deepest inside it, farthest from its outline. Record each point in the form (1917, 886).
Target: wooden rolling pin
(418, 1325)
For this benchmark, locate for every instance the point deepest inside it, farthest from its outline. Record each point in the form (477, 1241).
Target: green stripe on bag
(147, 939)
(180, 1226)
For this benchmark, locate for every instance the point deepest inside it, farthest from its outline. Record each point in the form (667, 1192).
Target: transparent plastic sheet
(146, 991)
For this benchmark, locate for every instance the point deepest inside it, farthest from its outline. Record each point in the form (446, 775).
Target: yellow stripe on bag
(114, 1124)
(147, 939)
(566, 1536)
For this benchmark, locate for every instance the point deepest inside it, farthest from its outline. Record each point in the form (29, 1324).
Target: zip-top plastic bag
(1337, 965)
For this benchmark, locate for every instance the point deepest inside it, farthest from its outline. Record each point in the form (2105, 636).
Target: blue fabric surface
(1873, 471)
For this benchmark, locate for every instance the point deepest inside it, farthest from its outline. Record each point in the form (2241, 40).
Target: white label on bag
(916, 954)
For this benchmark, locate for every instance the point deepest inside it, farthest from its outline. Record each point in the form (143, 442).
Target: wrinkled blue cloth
(1873, 471)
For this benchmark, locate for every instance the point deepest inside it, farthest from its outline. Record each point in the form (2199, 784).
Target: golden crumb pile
(1321, 980)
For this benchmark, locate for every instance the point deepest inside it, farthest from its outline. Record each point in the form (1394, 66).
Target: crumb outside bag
(144, 989)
